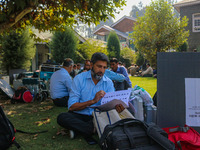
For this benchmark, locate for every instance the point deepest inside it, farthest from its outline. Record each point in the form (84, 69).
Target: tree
(158, 30)
(88, 48)
(54, 14)
(113, 45)
(183, 48)
(139, 59)
(18, 50)
(127, 56)
(137, 11)
(63, 44)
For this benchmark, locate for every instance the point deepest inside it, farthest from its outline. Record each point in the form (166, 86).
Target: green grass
(147, 83)
(25, 116)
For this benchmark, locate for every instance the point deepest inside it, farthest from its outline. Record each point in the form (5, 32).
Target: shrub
(18, 50)
(63, 45)
(113, 45)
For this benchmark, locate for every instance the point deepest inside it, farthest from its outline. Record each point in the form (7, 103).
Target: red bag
(22, 94)
(184, 138)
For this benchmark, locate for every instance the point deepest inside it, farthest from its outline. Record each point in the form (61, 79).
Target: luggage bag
(133, 134)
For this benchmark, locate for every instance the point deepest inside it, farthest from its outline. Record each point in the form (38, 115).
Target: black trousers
(81, 124)
(61, 102)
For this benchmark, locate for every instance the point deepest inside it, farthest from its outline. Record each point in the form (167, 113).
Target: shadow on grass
(36, 116)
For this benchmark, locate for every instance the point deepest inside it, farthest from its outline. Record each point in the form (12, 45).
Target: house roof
(47, 35)
(105, 30)
(184, 3)
(125, 24)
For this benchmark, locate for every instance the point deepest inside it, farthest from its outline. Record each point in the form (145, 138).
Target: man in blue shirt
(114, 76)
(122, 70)
(60, 84)
(88, 88)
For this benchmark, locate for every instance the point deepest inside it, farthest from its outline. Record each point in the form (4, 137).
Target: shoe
(71, 134)
(90, 140)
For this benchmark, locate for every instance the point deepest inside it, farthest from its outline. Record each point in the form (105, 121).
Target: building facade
(191, 9)
(122, 27)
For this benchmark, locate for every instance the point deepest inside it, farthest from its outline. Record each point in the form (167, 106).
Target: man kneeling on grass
(87, 90)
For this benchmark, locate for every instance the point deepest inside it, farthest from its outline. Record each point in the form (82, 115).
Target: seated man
(122, 70)
(86, 66)
(133, 70)
(87, 90)
(148, 72)
(114, 76)
(60, 84)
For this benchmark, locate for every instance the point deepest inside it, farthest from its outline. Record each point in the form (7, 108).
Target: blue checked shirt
(84, 89)
(60, 84)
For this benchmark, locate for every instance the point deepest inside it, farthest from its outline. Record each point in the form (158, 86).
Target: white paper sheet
(120, 95)
(192, 101)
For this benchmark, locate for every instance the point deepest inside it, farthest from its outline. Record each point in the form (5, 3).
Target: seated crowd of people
(135, 70)
(78, 89)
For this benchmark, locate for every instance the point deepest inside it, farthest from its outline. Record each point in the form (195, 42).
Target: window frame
(193, 22)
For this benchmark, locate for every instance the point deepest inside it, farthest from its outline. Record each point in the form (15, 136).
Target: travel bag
(185, 138)
(133, 134)
(22, 94)
(104, 118)
(7, 132)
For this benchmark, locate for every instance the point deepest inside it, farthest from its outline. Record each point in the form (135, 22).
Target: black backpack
(7, 132)
(133, 134)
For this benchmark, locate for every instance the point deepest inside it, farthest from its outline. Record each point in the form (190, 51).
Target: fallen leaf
(45, 108)
(63, 132)
(11, 112)
(46, 120)
(35, 135)
(35, 110)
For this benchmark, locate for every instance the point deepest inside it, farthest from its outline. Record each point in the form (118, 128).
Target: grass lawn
(42, 116)
(147, 83)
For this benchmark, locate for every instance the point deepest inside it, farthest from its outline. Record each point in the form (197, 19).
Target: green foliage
(198, 48)
(183, 48)
(18, 50)
(139, 59)
(88, 48)
(113, 45)
(63, 45)
(158, 30)
(54, 14)
(127, 56)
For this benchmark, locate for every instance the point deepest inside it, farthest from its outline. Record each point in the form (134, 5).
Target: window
(196, 22)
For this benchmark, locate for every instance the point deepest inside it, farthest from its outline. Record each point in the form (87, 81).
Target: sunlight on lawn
(147, 83)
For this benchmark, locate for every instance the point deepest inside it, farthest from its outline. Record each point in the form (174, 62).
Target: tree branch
(19, 16)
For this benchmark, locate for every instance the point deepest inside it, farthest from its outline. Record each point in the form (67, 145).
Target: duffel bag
(133, 134)
(185, 138)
